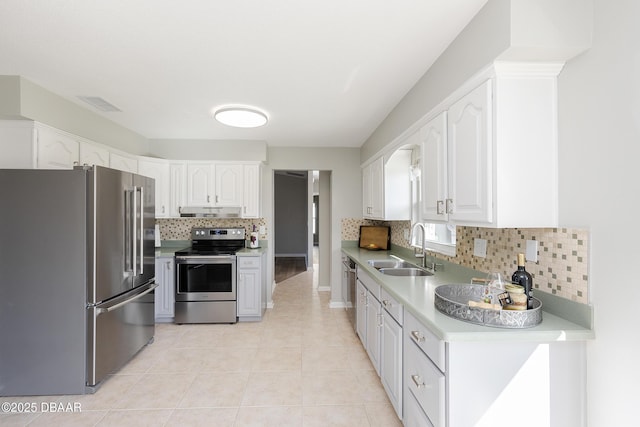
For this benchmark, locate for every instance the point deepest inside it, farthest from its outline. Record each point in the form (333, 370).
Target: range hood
(209, 212)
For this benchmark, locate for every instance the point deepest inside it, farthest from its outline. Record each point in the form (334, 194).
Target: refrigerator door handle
(141, 240)
(101, 310)
(134, 234)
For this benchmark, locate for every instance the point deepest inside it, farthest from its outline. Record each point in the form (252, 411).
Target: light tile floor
(301, 366)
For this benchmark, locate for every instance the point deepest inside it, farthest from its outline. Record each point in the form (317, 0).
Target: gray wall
(599, 148)
(345, 199)
(22, 99)
(291, 223)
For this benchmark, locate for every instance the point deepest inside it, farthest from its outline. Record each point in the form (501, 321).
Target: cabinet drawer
(248, 262)
(393, 307)
(369, 283)
(413, 414)
(425, 381)
(425, 339)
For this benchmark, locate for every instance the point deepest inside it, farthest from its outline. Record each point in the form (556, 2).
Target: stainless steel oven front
(205, 289)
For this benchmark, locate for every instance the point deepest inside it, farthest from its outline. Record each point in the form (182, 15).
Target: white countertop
(417, 296)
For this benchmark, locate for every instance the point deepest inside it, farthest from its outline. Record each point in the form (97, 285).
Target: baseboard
(324, 288)
(337, 304)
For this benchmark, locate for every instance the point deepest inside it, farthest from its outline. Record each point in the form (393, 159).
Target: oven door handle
(205, 258)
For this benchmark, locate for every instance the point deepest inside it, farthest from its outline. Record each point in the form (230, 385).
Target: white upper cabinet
(251, 196)
(434, 168)
(56, 150)
(223, 185)
(200, 184)
(469, 161)
(158, 169)
(177, 188)
(91, 154)
(386, 187)
(373, 189)
(229, 185)
(123, 162)
(489, 159)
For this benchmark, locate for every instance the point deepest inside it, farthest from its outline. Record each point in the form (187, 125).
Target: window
(440, 238)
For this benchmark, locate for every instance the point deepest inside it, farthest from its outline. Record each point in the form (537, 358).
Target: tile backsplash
(180, 228)
(562, 268)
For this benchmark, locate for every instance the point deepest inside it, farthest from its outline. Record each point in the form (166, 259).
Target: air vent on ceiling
(99, 103)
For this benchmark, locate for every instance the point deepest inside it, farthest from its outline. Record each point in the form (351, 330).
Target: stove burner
(214, 241)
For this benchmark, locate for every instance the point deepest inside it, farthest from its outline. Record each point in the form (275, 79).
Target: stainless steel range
(206, 276)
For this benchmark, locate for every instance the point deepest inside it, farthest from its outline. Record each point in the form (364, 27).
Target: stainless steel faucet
(432, 265)
(424, 235)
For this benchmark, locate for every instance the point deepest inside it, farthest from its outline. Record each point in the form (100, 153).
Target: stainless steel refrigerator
(76, 277)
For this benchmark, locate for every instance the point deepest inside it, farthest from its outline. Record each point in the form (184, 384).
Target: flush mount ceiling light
(240, 117)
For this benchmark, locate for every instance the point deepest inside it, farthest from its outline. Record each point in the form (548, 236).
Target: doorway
(301, 223)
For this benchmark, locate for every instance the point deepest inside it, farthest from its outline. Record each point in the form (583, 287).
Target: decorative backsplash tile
(180, 228)
(563, 253)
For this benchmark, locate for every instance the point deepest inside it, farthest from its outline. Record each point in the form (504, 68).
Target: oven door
(206, 278)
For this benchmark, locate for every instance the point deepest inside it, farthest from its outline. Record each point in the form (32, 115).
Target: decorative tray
(453, 300)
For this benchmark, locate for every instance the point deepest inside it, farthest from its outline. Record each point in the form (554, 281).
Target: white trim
(324, 288)
(336, 304)
(441, 248)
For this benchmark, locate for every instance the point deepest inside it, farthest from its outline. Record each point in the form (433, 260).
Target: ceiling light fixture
(241, 117)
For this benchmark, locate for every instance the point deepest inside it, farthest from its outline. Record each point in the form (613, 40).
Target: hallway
(302, 366)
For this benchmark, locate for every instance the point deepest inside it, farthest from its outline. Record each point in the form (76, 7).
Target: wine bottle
(523, 278)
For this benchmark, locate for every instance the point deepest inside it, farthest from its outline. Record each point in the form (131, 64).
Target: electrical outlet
(406, 234)
(531, 251)
(480, 248)
(263, 230)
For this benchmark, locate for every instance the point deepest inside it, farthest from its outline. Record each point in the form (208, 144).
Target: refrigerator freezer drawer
(118, 330)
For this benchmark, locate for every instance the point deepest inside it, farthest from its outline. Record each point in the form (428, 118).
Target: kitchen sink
(389, 263)
(405, 271)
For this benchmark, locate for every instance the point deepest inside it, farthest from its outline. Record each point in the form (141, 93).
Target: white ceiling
(327, 72)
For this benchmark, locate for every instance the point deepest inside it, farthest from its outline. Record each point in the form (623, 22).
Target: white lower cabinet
(391, 360)
(491, 383)
(414, 416)
(425, 382)
(251, 298)
(374, 329)
(379, 325)
(361, 311)
(165, 292)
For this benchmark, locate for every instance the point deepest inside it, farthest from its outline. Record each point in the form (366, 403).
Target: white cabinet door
(123, 163)
(249, 286)
(200, 186)
(165, 292)
(373, 190)
(469, 153)
(229, 185)
(374, 328)
(361, 312)
(434, 169)
(177, 188)
(391, 360)
(56, 150)
(251, 196)
(159, 171)
(93, 155)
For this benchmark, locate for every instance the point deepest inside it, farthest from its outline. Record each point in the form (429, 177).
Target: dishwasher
(349, 288)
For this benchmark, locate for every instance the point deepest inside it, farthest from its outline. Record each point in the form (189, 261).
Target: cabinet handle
(418, 381)
(386, 303)
(217, 198)
(162, 208)
(208, 199)
(439, 207)
(417, 336)
(449, 206)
